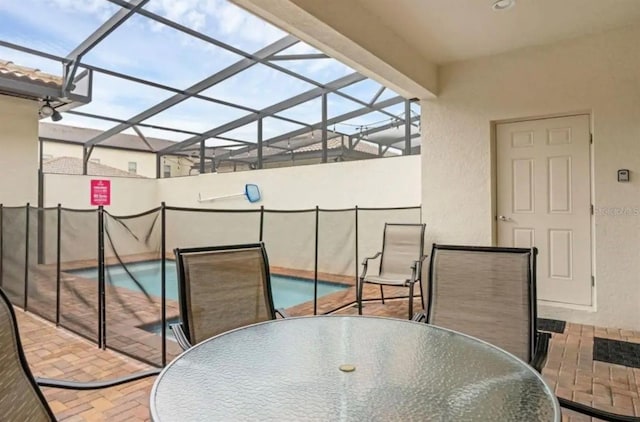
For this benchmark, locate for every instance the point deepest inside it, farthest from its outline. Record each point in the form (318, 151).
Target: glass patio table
(349, 368)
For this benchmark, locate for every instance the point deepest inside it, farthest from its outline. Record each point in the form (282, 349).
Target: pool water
(287, 291)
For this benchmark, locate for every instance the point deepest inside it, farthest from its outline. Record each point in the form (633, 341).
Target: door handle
(503, 218)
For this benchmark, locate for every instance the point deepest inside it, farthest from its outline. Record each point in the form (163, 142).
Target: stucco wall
(290, 238)
(128, 195)
(597, 74)
(18, 151)
(388, 182)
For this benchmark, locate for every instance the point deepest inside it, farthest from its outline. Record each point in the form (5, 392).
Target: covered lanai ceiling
(402, 43)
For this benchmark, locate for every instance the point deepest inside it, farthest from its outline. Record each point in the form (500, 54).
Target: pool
(287, 291)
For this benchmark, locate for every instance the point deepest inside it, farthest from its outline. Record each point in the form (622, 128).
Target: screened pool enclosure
(231, 91)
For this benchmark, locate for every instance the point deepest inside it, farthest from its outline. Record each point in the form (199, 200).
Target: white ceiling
(451, 30)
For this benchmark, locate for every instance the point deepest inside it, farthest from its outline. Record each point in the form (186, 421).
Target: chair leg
(411, 300)
(421, 295)
(382, 294)
(359, 286)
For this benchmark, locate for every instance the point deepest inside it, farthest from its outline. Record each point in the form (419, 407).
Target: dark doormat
(616, 351)
(551, 325)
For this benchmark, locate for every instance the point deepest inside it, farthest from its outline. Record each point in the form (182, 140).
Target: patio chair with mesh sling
(20, 395)
(400, 261)
(222, 288)
(488, 293)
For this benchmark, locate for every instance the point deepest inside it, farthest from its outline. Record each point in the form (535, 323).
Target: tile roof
(336, 143)
(22, 73)
(72, 165)
(80, 135)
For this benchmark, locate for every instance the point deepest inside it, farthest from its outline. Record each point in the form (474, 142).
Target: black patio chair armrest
(180, 336)
(282, 313)
(596, 413)
(94, 385)
(365, 264)
(419, 317)
(541, 350)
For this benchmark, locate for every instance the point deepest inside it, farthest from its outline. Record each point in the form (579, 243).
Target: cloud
(99, 8)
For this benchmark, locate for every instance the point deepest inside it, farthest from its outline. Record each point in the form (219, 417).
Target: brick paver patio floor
(54, 352)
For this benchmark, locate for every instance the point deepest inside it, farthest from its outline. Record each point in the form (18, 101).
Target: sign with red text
(100, 192)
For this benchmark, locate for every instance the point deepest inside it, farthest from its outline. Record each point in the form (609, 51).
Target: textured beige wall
(128, 195)
(596, 74)
(386, 182)
(18, 151)
(290, 238)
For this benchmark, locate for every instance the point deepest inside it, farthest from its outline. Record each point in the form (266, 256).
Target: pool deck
(56, 352)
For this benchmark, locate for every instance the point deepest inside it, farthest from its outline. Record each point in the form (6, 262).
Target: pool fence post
(163, 280)
(101, 298)
(26, 260)
(58, 254)
(315, 273)
(261, 222)
(357, 267)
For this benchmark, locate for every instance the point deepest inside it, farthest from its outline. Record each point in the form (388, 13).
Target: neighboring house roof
(78, 135)
(336, 143)
(72, 165)
(22, 73)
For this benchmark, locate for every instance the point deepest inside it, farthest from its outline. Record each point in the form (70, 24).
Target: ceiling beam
(350, 115)
(105, 29)
(298, 57)
(281, 106)
(206, 38)
(113, 119)
(92, 40)
(220, 76)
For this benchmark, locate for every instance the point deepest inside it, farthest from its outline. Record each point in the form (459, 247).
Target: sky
(147, 49)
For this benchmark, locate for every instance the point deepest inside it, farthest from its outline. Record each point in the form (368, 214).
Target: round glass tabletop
(349, 368)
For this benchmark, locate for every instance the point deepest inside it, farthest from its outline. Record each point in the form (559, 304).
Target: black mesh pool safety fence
(112, 279)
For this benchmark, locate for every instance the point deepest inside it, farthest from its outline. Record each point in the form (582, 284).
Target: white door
(544, 200)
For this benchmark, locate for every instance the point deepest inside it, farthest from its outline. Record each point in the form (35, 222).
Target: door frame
(493, 150)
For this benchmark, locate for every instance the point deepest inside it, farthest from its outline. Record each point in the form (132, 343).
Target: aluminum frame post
(201, 165)
(325, 145)
(259, 145)
(407, 128)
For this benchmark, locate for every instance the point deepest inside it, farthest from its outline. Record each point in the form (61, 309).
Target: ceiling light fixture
(56, 116)
(47, 110)
(503, 4)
